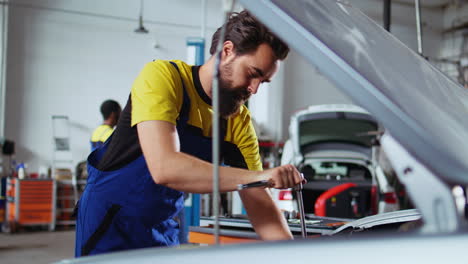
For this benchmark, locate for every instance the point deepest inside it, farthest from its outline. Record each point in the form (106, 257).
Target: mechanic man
(162, 147)
(110, 111)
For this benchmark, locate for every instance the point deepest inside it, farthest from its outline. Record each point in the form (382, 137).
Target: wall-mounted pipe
(387, 14)
(3, 58)
(203, 19)
(417, 8)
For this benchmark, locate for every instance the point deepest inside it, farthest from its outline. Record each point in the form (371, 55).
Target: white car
(336, 147)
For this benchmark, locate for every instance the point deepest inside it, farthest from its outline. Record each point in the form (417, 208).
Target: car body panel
(402, 216)
(403, 248)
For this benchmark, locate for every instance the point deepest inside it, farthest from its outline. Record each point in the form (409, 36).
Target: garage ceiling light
(141, 28)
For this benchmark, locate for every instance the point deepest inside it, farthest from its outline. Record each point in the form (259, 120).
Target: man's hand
(265, 216)
(283, 177)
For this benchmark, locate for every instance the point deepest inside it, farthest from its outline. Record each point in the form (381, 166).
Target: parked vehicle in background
(335, 146)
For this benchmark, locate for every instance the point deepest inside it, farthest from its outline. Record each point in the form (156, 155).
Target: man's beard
(230, 98)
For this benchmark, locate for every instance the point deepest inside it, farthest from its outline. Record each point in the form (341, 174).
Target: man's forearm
(183, 172)
(266, 218)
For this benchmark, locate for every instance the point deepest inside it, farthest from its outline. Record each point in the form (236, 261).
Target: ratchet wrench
(300, 203)
(263, 183)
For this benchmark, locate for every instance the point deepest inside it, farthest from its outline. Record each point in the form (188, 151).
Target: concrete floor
(36, 247)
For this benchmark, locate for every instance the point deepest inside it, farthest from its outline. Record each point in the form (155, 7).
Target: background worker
(110, 111)
(162, 147)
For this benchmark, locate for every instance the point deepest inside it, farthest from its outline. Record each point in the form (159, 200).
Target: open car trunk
(332, 147)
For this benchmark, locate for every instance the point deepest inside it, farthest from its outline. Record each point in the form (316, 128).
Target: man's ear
(228, 52)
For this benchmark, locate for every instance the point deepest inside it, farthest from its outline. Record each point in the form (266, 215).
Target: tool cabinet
(30, 202)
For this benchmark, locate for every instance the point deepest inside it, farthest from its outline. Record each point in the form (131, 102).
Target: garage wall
(67, 64)
(451, 52)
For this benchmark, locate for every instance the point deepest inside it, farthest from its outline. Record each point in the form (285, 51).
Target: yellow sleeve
(157, 93)
(246, 139)
(107, 134)
(101, 133)
(96, 134)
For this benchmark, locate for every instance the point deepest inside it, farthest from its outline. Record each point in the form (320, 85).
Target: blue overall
(96, 145)
(125, 209)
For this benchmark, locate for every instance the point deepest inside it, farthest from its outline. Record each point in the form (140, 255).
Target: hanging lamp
(141, 28)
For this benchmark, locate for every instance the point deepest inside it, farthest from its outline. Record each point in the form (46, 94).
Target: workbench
(239, 230)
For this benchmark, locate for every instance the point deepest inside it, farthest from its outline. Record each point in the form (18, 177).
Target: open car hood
(424, 110)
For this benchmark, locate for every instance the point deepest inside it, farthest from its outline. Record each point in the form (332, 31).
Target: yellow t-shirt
(157, 94)
(102, 133)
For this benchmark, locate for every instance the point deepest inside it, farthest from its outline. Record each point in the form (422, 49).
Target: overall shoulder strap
(185, 109)
(222, 128)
